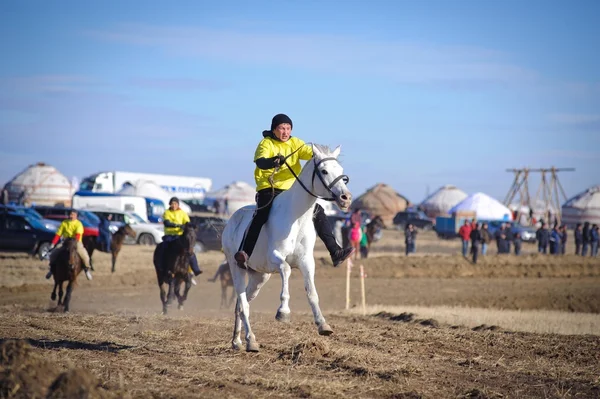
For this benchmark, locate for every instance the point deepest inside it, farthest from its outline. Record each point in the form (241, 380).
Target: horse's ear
(336, 152)
(316, 151)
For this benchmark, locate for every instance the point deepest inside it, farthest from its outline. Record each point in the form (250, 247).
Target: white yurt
(238, 194)
(40, 184)
(484, 206)
(442, 200)
(584, 207)
(149, 189)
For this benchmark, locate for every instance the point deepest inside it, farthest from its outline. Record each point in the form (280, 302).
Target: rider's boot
(87, 272)
(325, 232)
(49, 274)
(194, 264)
(241, 258)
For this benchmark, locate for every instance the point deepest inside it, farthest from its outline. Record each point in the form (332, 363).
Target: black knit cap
(174, 199)
(279, 119)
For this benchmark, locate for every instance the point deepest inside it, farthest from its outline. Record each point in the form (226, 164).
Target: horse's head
(70, 245)
(378, 222)
(189, 237)
(129, 231)
(331, 174)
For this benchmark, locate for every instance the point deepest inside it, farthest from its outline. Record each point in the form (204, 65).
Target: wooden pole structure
(362, 289)
(348, 271)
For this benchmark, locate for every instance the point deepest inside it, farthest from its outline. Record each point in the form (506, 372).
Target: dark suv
(22, 233)
(416, 218)
(208, 233)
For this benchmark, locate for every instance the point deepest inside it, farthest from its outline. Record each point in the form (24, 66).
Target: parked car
(22, 210)
(89, 220)
(208, 233)
(416, 218)
(146, 233)
(527, 233)
(23, 233)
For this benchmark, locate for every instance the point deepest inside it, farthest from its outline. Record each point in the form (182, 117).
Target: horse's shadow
(67, 344)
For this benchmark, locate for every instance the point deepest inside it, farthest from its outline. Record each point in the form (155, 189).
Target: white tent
(584, 207)
(149, 189)
(484, 206)
(40, 184)
(238, 194)
(442, 200)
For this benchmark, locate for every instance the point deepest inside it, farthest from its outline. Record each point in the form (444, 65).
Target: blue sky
(418, 93)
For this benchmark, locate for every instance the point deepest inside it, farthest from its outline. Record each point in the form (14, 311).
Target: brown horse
(172, 267)
(372, 227)
(66, 267)
(224, 275)
(91, 243)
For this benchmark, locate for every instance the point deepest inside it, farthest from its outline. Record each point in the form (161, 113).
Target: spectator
(410, 237)
(518, 243)
(356, 217)
(465, 234)
(578, 239)
(563, 239)
(486, 238)
(355, 236)
(364, 243)
(217, 206)
(105, 236)
(501, 239)
(475, 237)
(4, 196)
(555, 241)
(509, 237)
(586, 238)
(594, 237)
(543, 237)
(226, 206)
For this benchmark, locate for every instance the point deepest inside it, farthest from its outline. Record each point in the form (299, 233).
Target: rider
(270, 153)
(174, 218)
(70, 228)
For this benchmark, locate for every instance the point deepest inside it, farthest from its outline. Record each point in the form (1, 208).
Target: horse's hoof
(53, 297)
(325, 329)
(252, 346)
(180, 307)
(236, 346)
(283, 317)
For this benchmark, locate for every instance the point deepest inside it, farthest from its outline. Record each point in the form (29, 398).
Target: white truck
(184, 187)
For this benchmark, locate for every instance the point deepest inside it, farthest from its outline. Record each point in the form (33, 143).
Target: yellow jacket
(176, 217)
(70, 228)
(270, 147)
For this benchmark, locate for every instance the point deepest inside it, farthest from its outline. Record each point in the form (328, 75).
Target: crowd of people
(548, 241)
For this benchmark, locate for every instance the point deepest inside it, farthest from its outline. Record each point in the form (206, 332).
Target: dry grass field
(436, 326)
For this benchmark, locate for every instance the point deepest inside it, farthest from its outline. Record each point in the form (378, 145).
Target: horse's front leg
(307, 267)
(53, 295)
(171, 295)
(278, 262)
(188, 285)
(114, 261)
(60, 293)
(68, 295)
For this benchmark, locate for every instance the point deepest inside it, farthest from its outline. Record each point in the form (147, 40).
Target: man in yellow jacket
(276, 144)
(174, 218)
(70, 228)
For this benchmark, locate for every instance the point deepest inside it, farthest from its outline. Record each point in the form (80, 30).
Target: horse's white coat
(286, 241)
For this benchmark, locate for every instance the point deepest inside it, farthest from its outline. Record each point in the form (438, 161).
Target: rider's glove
(279, 160)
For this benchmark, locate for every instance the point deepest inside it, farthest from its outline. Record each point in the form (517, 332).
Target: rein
(316, 172)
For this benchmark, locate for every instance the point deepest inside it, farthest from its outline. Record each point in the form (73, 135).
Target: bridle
(317, 172)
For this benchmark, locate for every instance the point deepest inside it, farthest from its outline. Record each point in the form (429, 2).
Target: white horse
(286, 240)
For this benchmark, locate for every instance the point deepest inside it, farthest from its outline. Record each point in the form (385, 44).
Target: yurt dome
(41, 184)
(442, 200)
(484, 206)
(381, 200)
(584, 207)
(238, 195)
